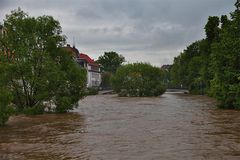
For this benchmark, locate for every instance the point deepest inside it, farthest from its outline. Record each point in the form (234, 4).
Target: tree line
(212, 65)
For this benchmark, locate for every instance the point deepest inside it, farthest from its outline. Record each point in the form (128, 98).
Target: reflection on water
(173, 126)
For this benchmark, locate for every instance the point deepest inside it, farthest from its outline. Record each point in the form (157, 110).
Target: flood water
(106, 127)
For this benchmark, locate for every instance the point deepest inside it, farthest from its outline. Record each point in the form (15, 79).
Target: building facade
(93, 68)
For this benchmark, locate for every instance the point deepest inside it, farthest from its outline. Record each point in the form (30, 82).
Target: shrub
(5, 109)
(34, 110)
(138, 79)
(92, 91)
(63, 104)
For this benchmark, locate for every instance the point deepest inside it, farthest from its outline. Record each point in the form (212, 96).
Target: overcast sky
(153, 31)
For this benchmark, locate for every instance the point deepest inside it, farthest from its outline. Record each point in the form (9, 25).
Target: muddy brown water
(106, 127)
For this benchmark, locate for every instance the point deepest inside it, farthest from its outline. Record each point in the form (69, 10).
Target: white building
(93, 68)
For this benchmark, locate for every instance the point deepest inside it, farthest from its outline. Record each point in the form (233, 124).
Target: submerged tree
(5, 105)
(33, 67)
(138, 79)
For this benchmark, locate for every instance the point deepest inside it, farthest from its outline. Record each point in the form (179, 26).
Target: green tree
(181, 71)
(213, 66)
(212, 29)
(5, 95)
(5, 105)
(191, 68)
(138, 79)
(225, 85)
(110, 61)
(237, 4)
(34, 68)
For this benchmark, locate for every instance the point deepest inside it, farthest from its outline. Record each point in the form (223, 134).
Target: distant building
(93, 68)
(166, 67)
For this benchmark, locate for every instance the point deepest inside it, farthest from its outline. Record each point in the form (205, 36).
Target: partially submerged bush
(92, 91)
(34, 110)
(138, 79)
(5, 109)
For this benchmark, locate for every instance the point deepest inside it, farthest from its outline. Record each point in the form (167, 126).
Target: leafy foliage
(188, 67)
(138, 79)
(225, 85)
(34, 68)
(110, 61)
(92, 91)
(213, 66)
(5, 108)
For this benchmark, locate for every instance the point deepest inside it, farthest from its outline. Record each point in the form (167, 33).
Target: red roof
(88, 59)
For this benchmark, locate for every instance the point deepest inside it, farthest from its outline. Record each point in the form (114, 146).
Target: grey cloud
(4, 3)
(154, 30)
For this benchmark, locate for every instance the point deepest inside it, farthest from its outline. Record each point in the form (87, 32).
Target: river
(106, 127)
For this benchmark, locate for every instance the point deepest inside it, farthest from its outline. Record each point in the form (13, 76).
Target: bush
(71, 88)
(63, 104)
(92, 91)
(5, 113)
(34, 110)
(138, 79)
(5, 109)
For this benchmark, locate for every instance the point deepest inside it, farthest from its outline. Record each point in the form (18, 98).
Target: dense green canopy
(34, 71)
(138, 79)
(110, 61)
(212, 65)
